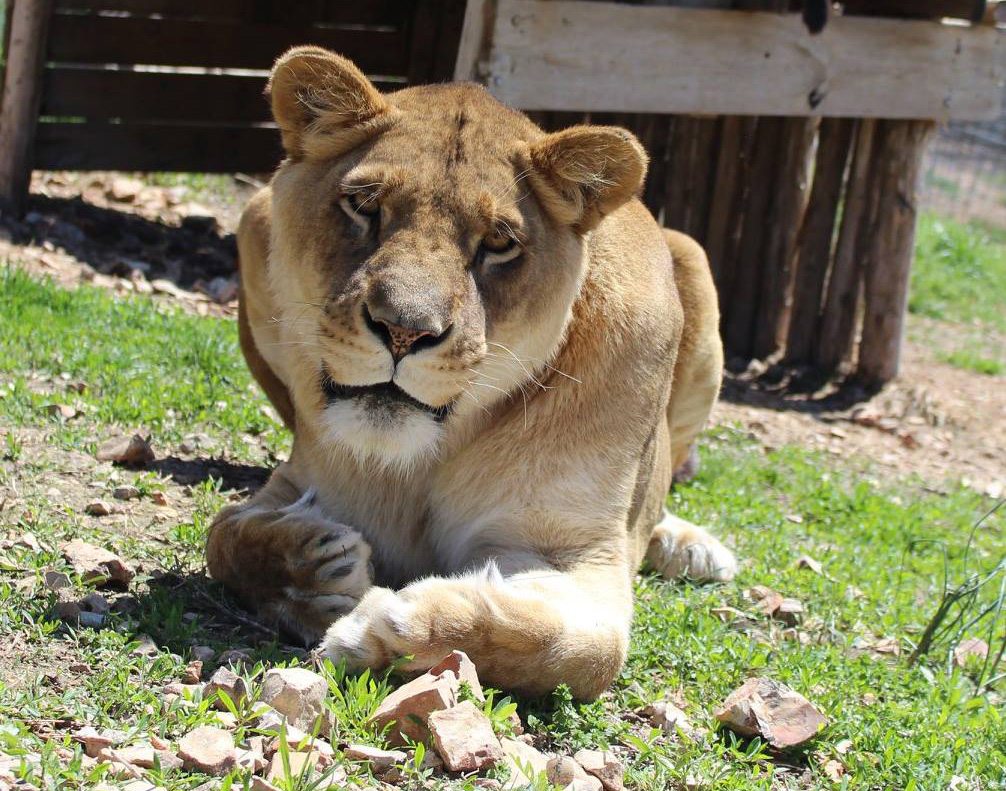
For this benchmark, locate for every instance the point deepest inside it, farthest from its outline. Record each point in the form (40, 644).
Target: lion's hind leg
(681, 550)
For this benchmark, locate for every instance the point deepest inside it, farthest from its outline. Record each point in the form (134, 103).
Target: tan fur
(511, 528)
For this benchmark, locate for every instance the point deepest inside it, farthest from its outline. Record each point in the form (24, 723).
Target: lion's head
(427, 248)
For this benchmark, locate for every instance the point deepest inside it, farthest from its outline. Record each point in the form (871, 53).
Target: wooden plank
(900, 147)
(204, 149)
(167, 42)
(100, 94)
(21, 95)
(574, 55)
(817, 232)
(337, 12)
(475, 40)
(972, 10)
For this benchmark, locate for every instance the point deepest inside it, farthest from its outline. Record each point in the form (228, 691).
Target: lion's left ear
(582, 173)
(323, 104)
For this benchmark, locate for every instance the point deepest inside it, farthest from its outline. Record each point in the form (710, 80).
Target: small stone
(763, 707)
(563, 771)
(789, 611)
(142, 755)
(126, 492)
(145, 646)
(186, 691)
(668, 717)
(208, 749)
(97, 508)
(521, 758)
(298, 763)
(807, 562)
(458, 663)
(96, 565)
(261, 784)
(252, 760)
(64, 411)
(134, 451)
(193, 672)
(230, 683)
(380, 761)
(768, 600)
(296, 693)
(202, 653)
(234, 656)
(973, 648)
(125, 189)
(94, 741)
(603, 765)
(464, 738)
(159, 498)
(56, 580)
(410, 706)
(94, 602)
(28, 541)
(197, 218)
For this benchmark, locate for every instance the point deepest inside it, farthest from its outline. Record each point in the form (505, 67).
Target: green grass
(959, 273)
(886, 548)
(970, 361)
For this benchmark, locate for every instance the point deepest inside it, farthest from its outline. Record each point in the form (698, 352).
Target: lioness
(492, 359)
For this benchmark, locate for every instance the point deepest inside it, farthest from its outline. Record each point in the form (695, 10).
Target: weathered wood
(728, 163)
(838, 319)
(208, 149)
(789, 187)
(569, 55)
(180, 42)
(689, 175)
(21, 95)
(817, 231)
(916, 9)
(475, 41)
(742, 301)
(900, 146)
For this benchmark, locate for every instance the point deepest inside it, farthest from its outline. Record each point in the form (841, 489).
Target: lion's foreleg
(285, 558)
(529, 632)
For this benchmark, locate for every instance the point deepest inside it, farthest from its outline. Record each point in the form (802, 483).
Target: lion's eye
(362, 207)
(499, 247)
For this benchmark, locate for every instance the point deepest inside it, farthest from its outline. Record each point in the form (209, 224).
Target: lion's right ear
(323, 104)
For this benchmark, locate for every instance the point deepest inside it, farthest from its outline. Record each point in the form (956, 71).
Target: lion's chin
(400, 437)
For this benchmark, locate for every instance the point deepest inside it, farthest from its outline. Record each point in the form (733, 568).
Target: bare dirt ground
(939, 422)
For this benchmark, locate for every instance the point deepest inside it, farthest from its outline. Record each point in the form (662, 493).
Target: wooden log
(729, 163)
(21, 96)
(689, 175)
(790, 186)
(817, 231)
(838, 318)
(900, 146)
(742, 301)
(654, 133)
(972, 10)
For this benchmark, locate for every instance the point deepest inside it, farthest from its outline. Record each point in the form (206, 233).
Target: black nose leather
(403, 337)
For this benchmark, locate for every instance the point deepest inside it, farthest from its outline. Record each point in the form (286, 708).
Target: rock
(296, 693)
(141, 755)
(234, 656)
(458, 663)
(588, 784)
(767, 600)
(668, 717)
(133, 451)
(56, 580)
(193, 672)
(807, 562)
(94, 741)
(91, 620)
(973, 648)
(125, 189)
(411, 704)
(96, 565)
(208, 749)
(563, 771)
(145, 646)
(64, 411)
(789, 611)
(230, 683)
(97, 508)
(197, 218)
(252, 760)
(202, 653)
(126, 492)
(464, 738)
(298, 763)
(28, 541)
(187, 691)
(261, 784)
(522, 758)
(159, 498)
(94, 602)
(763, 707)
(603, 765)
(380, 761)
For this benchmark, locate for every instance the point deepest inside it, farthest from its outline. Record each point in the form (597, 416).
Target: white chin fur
(401, 440)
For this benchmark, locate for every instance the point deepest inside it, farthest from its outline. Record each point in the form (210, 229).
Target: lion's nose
(400, 336)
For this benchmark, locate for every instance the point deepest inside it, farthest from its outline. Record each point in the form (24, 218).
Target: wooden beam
(21, 96)
(574, 55)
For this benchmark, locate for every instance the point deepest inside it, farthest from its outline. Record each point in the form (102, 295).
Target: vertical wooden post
(838, 317)
(814, 243)
(22, 92)
(789, 201)
(900, 146)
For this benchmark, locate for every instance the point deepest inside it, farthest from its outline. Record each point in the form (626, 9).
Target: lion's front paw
(681, 550)
(381, 629)
(326, 566)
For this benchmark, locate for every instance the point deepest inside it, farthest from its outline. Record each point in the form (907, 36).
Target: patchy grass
(886, 549)
(959, 273)
(970, 361)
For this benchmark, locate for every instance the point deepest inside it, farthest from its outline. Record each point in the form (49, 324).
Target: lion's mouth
(386, 395)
